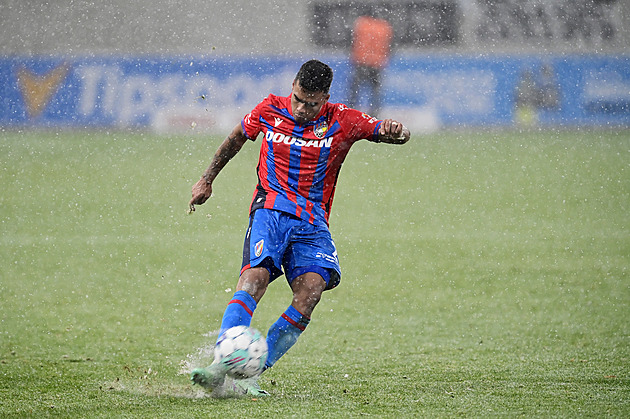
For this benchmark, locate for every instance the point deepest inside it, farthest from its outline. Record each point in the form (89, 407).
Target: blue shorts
(277, 240)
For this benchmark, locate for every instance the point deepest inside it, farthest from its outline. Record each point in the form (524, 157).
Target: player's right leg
(238, 312)
(261, 255)
(312, 267)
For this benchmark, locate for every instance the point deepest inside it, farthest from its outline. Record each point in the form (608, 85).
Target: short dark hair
(315, 76)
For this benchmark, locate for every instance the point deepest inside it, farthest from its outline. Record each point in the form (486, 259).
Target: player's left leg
(284, 333)
(307, 291)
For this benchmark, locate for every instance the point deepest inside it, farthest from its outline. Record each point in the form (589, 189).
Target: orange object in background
(371, 43)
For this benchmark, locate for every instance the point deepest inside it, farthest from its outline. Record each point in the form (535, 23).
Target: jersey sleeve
(251, 123)
(362, 126)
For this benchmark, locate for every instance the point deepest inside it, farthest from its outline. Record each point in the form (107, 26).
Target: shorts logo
(329, 258)
(258, 248)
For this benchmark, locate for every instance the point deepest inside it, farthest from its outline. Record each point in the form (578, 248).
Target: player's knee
(307, 292)
(254, 281)
(309, 298)
(305, 304)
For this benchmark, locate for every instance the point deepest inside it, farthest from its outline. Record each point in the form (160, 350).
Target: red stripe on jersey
(263, 170)
(271, 200)
(293, 198)
(309, 210)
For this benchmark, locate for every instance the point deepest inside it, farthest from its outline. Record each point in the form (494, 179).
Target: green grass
(484, 274)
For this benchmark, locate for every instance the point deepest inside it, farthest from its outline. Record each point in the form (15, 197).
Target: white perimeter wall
(146, 26)
(268, 27)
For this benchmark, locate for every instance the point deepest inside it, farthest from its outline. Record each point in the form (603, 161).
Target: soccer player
(305, 139)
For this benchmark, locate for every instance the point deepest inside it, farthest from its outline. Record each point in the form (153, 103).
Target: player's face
(306, 105)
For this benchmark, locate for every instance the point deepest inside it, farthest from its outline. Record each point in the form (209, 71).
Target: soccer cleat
(249, 387)
(210, 377)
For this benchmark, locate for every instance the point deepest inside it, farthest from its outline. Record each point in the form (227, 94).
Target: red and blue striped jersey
(298, 165)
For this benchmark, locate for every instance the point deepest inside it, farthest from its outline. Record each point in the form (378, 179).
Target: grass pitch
(484, 274)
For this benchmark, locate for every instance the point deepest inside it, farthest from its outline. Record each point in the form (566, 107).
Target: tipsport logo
(38, 90)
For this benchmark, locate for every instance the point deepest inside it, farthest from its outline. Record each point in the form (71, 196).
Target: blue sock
(284, 333)
(239, 311)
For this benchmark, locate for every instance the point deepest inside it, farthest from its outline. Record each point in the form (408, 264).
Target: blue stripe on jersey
(298, 131)
(293, 178)
(333, 129)
(295, 158)
(283, 111)
(265, 122)
(316, 193)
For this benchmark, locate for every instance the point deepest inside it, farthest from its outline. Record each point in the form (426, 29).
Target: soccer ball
(243, 350)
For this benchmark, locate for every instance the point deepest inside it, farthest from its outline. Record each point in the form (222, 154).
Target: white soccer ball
(243, 350)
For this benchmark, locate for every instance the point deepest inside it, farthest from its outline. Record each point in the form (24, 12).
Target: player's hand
(391, 128)
(392, 131)
(201, 191)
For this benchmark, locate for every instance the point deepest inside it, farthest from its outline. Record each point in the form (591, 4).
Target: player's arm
(202, 190)
(393, 132)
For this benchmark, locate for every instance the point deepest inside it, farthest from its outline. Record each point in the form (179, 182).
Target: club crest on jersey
(258, 248)
(320, 129)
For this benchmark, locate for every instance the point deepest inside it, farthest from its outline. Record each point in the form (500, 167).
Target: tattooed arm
(202, 190)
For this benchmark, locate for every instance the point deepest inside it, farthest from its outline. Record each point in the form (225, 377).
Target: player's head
(310, 90)
(315, 76)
